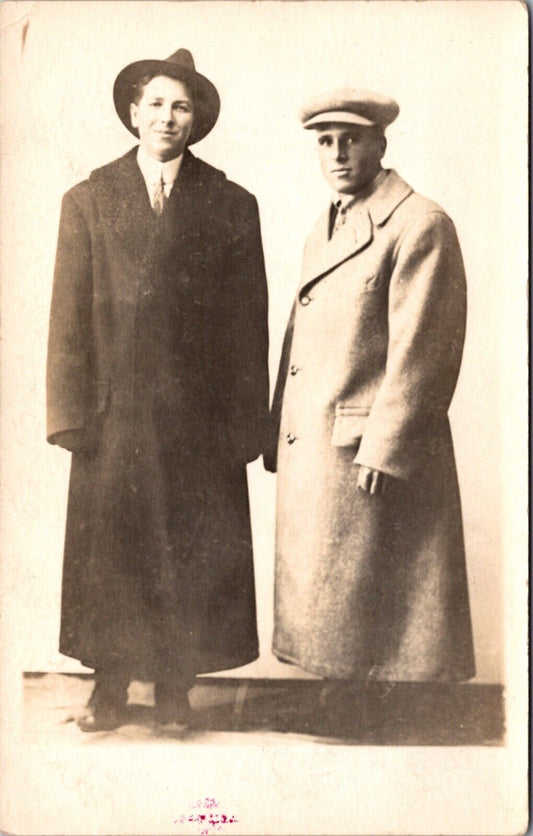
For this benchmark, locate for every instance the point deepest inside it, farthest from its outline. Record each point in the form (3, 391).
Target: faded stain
(25, 33)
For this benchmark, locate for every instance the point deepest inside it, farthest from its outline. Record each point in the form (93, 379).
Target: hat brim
(206, 100)
(339, 117)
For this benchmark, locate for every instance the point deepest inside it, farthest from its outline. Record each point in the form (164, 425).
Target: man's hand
(372, 481)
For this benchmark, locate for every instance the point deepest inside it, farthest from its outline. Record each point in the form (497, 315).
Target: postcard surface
(308, 620)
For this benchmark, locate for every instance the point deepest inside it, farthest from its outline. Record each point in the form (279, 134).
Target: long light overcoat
(366, 585)
(158, 342)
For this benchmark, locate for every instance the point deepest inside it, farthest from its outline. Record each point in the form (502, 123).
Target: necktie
(343, 210)
(159, 197)
(340, 217)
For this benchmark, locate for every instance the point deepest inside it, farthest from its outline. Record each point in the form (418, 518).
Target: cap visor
(339, 117)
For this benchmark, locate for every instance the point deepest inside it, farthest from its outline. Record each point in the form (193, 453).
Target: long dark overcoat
(366, 585)
(158, 342)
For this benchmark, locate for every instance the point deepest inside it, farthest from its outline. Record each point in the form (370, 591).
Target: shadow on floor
(407, 714)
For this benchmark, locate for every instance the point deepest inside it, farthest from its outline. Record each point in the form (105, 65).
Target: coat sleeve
(426, 318)
(69, 345)
(245, 343)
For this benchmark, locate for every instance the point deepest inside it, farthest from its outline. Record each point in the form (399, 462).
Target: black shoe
(172, 705)
(101, 717)
(107, 703)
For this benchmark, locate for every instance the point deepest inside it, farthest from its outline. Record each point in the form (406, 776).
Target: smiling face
(350, 155)
(164, 117)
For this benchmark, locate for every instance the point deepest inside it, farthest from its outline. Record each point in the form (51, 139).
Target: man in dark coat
(370, 566)
(158, 384)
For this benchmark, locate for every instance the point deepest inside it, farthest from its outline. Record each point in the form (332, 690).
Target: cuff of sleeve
(396, 472)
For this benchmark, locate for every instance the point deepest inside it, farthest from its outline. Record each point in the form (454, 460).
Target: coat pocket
(349, 425)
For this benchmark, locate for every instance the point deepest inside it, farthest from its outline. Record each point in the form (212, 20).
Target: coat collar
(322, 254)
(387, 197)
(125, 204)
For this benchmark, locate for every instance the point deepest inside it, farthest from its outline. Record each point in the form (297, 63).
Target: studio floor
(256, 710)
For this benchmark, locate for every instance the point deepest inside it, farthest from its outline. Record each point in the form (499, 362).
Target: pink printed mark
(208, 821)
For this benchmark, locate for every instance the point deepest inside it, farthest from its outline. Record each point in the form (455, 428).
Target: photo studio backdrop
(460, 139)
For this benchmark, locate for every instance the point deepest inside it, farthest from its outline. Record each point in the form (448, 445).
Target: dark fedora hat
(179, 65)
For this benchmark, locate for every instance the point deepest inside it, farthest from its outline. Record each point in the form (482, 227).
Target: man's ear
(383, 144)
(133, 115)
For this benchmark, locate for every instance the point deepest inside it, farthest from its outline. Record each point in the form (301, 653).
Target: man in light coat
(158, 384)
(370, 565)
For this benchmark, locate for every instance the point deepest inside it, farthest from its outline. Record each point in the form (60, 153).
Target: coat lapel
(323, 254)
(184, 214)
(124, 202)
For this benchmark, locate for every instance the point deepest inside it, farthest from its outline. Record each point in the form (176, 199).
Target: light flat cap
(350, 106)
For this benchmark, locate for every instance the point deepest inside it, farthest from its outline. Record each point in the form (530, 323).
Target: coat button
(305, 300)
(294, 370)
(291, 438)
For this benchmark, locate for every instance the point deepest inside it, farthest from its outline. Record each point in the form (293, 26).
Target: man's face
(350, 156)
(164, 117)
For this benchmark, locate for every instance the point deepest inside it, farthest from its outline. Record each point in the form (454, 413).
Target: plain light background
(451, 67)
(459, 72)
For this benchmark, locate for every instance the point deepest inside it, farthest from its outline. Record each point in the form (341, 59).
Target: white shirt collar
(152, 169)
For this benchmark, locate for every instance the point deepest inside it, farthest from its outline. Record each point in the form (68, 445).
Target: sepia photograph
(264, 271)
